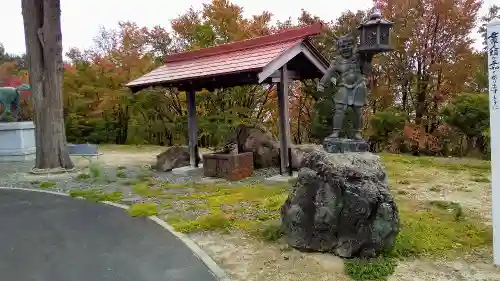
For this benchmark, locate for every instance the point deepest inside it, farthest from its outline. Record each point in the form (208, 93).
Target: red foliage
(16, 81)
(423, 141)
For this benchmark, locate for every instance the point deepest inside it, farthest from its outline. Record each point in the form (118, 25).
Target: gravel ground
(18, 175)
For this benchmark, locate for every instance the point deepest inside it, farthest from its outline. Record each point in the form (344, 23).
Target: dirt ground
(244, 258)
(247, 259)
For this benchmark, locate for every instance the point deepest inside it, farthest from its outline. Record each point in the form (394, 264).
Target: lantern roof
(376, 19)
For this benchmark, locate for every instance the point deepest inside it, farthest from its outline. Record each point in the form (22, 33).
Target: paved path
(45, 237)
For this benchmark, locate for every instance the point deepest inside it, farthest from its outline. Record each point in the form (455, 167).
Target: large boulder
(264, 146)
(173, 157)
(341, 204)
(258, 140)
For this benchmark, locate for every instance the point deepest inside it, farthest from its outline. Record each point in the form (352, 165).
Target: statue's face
(346, 47)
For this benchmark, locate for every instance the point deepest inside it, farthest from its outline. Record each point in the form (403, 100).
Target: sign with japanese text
(493, 34)
(494, 65)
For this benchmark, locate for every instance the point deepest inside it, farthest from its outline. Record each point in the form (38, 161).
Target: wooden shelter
(277, 58)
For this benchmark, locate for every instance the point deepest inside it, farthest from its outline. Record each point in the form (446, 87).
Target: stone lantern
(374, 37)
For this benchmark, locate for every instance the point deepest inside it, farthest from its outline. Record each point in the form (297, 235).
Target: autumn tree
(98, 106)
(42, 28)
(220, 22)
(469, 114)
(432, 60)
(432, 63)
(432, 45)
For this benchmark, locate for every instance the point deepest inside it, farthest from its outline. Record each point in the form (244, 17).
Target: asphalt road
(45, 237)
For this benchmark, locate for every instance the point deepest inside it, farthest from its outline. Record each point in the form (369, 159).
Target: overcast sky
(81, 19)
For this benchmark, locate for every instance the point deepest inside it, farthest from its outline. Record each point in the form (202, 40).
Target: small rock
(173, 157)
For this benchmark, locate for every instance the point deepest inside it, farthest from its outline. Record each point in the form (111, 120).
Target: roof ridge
(260, 41)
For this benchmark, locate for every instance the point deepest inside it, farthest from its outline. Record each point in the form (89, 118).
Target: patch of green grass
(269, 231)
(82, 177)
(47, 184)
(97, 195)
(439, 230)
(481, 178)
(451, 164)
(121, 168)
(213, 221)
(455, 208)
(435, 189)
(222, 207)
(146, 190)
(131, 182)
(121, 174)
(95, 170)
(436, 230)
(379, 268)
(143, 209)
(144, 176)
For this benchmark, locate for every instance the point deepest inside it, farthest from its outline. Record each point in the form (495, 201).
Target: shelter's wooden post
(284, 122)
(192, 127)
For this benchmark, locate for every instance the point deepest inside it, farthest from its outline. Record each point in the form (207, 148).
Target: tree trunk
(42, 28)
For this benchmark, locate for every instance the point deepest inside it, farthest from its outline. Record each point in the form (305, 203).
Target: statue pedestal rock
(337, 145)
(341, 204)
(17, 141)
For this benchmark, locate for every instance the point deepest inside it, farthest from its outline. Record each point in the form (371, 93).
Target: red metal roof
(248, 55)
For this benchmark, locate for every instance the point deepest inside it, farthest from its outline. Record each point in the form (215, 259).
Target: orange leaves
(433, 54)
(219, 22)
(419, 138)
(94, 83)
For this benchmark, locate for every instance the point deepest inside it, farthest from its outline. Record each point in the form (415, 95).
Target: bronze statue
(350, 69)
(349, 72)
(10, 97)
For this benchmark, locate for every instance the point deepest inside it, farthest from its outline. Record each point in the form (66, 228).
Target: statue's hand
(320, 88)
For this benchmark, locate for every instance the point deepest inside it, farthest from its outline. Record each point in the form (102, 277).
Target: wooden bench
(85, 150)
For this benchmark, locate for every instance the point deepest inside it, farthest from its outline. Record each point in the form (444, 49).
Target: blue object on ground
(83, 149)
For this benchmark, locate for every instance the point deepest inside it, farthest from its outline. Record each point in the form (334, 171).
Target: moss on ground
(450, 164)
(47, 184)
(97, 195)
(143, 209)
(82, 177)
(435, 229)
(121, 174)
(379, 268)
(431, 231)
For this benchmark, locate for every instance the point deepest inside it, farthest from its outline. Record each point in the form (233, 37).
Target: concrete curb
(218, 272)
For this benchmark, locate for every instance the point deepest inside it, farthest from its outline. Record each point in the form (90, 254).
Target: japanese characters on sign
(493, 30)
(494, 68)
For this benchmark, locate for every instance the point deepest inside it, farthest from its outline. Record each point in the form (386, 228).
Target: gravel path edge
(217, 271)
